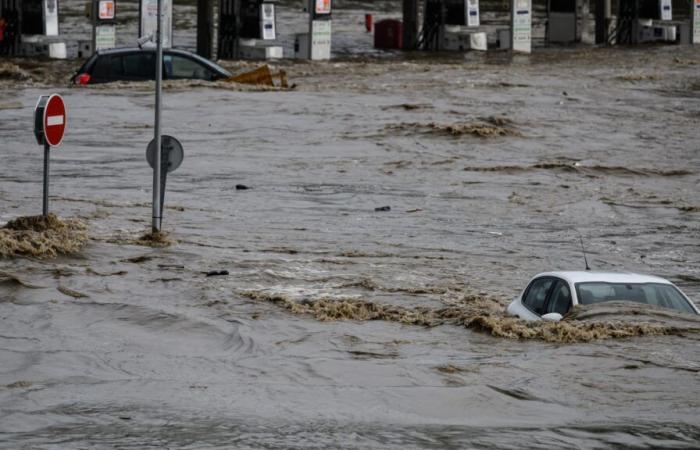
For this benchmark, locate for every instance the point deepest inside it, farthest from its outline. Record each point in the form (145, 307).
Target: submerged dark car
(138, 64)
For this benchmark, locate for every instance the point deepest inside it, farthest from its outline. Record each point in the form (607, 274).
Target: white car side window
(560, 301)
(537, 294)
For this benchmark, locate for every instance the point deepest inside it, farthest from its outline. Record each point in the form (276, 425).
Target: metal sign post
(156, 216)
(50, 122)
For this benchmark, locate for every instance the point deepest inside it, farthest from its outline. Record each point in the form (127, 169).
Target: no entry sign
(50, 120)
(49, 128)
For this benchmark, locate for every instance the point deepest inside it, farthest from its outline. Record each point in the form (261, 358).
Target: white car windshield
(655, 294)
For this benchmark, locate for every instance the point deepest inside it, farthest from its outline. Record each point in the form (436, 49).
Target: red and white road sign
(55, 120)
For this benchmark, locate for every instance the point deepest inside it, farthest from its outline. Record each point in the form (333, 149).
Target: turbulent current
(339, 256)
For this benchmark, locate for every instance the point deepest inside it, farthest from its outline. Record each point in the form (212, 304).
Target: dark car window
(537, 293)
(108, 68)
(560, 300)
(140, 66)
(180, 67)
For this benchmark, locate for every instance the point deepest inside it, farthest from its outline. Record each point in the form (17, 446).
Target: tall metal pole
(205, 21)
(47, 149)
(410, 24)
(155, 226)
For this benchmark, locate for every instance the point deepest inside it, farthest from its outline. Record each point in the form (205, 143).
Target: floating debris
(71, 293)
(485, 128)
(216, 273)
(19, 384)
(639, 77)
(138, 259)
(261, 76)
(42, 237)
(155, 239)
(408, 106)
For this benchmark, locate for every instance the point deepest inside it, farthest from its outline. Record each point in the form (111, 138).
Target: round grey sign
(171, 155)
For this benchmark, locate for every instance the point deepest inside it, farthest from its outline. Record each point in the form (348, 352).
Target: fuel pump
(245, 19)
(104, 24)
(257, 20)
(40, 17)
(655, 9)
(320, 20)
(448, 25)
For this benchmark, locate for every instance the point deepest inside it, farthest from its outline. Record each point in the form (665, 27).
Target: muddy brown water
(128, 346)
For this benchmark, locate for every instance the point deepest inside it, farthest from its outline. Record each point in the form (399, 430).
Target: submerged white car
(550, 295)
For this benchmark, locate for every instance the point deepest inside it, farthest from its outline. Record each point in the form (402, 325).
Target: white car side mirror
(552, 317)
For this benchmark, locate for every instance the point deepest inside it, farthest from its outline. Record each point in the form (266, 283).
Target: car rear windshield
(655, 294)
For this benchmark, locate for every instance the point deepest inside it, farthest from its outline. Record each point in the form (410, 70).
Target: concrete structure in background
(224, 27)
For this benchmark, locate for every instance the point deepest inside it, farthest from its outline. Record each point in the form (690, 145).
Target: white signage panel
(696, 22)
(51, 17)
(149, 20)
(267, 13)
(472, 13)
(320, 39)
(666, 10)
(521, 25)
(105, 37)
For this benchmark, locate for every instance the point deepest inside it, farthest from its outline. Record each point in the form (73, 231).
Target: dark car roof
(172, 51)
(150, 48)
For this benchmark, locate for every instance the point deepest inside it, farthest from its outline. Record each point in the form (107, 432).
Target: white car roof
(605, 277)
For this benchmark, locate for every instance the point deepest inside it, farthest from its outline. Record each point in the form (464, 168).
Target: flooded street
(374, 222)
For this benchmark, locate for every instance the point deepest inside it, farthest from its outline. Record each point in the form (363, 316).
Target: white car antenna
(584, 251)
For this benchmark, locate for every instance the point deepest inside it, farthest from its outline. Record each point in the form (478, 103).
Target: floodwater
(341, 323)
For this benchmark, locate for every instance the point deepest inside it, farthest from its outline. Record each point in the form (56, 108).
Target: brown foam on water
(639, 77)
(42, 237)
(370, 285)
(488, 127)
(477, 312)
(10, 71)
(155, 239)
(19, 384)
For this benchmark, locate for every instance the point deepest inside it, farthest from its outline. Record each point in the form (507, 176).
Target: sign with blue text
(521, 25)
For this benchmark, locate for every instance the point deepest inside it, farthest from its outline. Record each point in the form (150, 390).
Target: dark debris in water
(216, 273)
